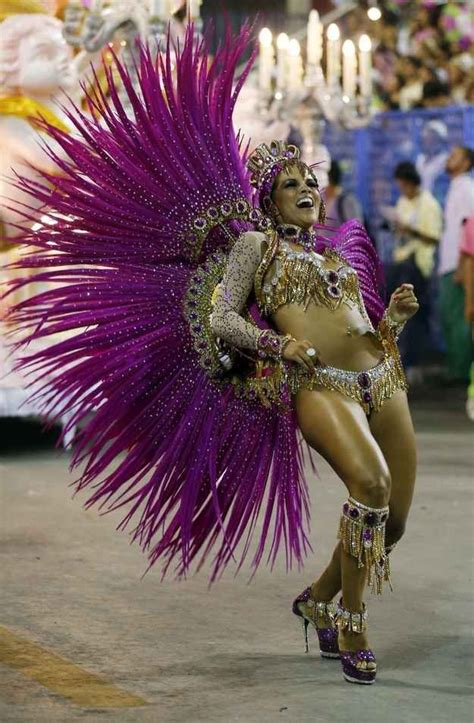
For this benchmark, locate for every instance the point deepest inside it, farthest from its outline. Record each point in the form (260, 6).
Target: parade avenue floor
(84, 638)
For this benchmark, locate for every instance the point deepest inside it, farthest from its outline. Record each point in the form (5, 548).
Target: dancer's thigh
(335, 426)
(392, 427)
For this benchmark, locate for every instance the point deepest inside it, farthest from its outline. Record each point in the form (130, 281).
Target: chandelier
(341, 94)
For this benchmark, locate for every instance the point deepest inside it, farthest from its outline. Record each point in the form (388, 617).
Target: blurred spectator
(424, 42)
(427, 73)
(385, 51)
(425, 33)
(417, 222)
(465, 276)
(459, 207)
(459, 71)
(412, 88)
(431, 162)
(435, 94)
(341, 205)
(390, 97)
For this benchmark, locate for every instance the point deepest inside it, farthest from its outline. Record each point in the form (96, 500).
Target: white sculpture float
(36, 64)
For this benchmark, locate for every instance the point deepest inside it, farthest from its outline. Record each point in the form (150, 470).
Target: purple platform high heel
(357, 622)
(308, 610)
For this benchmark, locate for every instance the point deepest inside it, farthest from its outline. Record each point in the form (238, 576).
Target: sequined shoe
(308, 610)
(357, 623)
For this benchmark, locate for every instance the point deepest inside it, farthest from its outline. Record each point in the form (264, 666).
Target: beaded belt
(370, 387)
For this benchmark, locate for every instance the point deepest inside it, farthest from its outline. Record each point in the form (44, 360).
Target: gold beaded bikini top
(301, 277)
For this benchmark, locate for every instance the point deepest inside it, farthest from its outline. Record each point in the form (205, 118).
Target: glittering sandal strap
(348, 620)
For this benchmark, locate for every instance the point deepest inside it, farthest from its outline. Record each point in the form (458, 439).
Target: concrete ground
(80, 630)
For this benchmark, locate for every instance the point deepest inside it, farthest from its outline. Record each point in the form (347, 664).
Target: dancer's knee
(372, 487)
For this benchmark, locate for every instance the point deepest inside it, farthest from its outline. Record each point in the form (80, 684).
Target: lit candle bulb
(365, 65)
(282, 46)
(333, 54)
(314, 48)
(193, 9)
(349, 68)
(294, 67)
(265, 59)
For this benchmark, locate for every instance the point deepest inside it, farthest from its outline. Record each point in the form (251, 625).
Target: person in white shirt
(418, 222)
(431, 162)
(459, 207)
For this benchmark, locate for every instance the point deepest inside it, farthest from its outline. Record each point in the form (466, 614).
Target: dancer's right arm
(226, 320)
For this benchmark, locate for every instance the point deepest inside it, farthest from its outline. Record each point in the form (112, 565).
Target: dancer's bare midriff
(342, 338)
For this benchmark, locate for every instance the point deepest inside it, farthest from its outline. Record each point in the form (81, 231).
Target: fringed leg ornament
(362, 534)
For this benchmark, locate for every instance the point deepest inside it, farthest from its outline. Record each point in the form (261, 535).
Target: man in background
(341, 205)
(417, 222)
(459, 207)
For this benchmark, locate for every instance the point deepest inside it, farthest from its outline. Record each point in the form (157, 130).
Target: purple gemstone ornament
(334, 291)
(367, 534)
(199, 223)
(226, 209)
(370, 519)
(345, 508)
(241, 206)
(367, 397)
(212, 212)
(333, 277)
(354, 513)
(363, 380)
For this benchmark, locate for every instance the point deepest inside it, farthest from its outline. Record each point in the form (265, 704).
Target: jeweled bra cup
(300, 277)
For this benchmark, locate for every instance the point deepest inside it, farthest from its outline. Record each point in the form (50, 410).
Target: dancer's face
(296, 195)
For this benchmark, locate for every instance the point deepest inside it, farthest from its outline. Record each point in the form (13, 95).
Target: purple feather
(191, 465)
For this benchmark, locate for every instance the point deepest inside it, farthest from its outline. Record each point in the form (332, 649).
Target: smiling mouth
(305, 202)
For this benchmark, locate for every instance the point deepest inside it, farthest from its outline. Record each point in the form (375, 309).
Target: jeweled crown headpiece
(266, 161)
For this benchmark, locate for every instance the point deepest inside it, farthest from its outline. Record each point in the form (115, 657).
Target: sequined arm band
(271, 345)
(387, 323)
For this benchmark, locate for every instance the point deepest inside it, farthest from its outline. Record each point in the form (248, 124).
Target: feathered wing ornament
(354, 244)
(145, 212)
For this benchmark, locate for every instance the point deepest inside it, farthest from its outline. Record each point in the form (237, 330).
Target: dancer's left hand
(403, 303)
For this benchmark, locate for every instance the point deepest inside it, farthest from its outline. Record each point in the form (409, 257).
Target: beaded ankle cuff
(362, 534)
(347, 620)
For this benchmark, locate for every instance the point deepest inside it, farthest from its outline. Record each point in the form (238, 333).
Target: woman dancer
(204, 321)
(348, 388)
